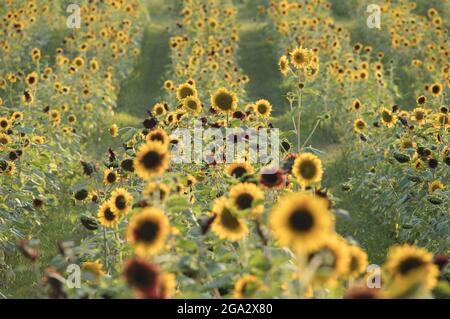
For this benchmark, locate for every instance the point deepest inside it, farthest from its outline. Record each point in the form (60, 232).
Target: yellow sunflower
(168, 284)
(301, 221)
(387, 117)
(94, 267)
(226, 224)
(106, 216)
(301, 57)
(263, 108)
(121, 201)
(359, 125)
(283, 64)
(5, 123)
(435, 185)
(307, 169)
(158, 135)
(192, 105)
(110, 176)
(4, 140)
(410, 265)
(159, 109)
(185, 90)
(152, 159)
(148, 230)
(358, 261)
(247, 196)
(224, 101)
(247, 286)
(238, 170)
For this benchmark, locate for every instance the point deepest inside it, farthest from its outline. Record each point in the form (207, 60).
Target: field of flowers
(224, 149)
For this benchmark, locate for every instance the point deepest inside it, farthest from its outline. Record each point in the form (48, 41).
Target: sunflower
(387, 117)
(27, 97)
(283, 64)
(32, 79)
(300, 57)
(272, 178)
(106, 216)
(359, 125)
(301, 221)
(442, 120)
(307, 169)
(152, 159)
(148, 230)
(434, 186)
(158, 135)
(357, 105)
(436, 89)
(95, 268)
(185, 90)
(419, 115)
(5, 123)
(114, 130)
(159, 109)
(238, 170)
(143, 277)
(224, 101)
(247, 286)
(245, 196)
(410, 265)
(263, 108)
(4, 140)
(331, 259)
(421, 100)
(110, 176)
(121, 201)
(192, 105)
(168, 286)
(226, 225)
(358, 261)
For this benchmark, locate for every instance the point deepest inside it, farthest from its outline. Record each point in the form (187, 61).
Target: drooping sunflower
(359, 125)
(148, 230)
(410, 265)
(185, 90)
(4, 140)
(387, 117)
(283, 64)
(106, 216)
(247, 286)
(224, 101)
(152, 159)
(121, 201)
(332, 260)
(358, 261)
(110, 176)
(238, 170)
(158, 135)
(301, 221)
(307, 169)
(226, 224)
(300, 57)
(192, 105)
(263, 108)
(244, 196)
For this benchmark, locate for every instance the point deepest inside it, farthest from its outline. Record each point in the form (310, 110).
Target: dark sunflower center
(262, 108)
(301, 220)
(244, 201)
(141, 276)
(31, 80)
(192, 105)
(409, 264)
(147, 231)
(111, 178)
(224, 101)
(228, 220)
(238, 172)
(436, 89)
(386, 117)
(4, 124)
(109, 215)
(157, 137)
(299, 57)
(185, 92)
(307, 169)
(354, 264)
(151, 160)
(270, 179)
(419, 115)
(360, 125)
(120, 202)
(3, 140)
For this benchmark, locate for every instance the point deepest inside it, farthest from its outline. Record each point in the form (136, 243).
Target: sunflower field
(199, 149)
